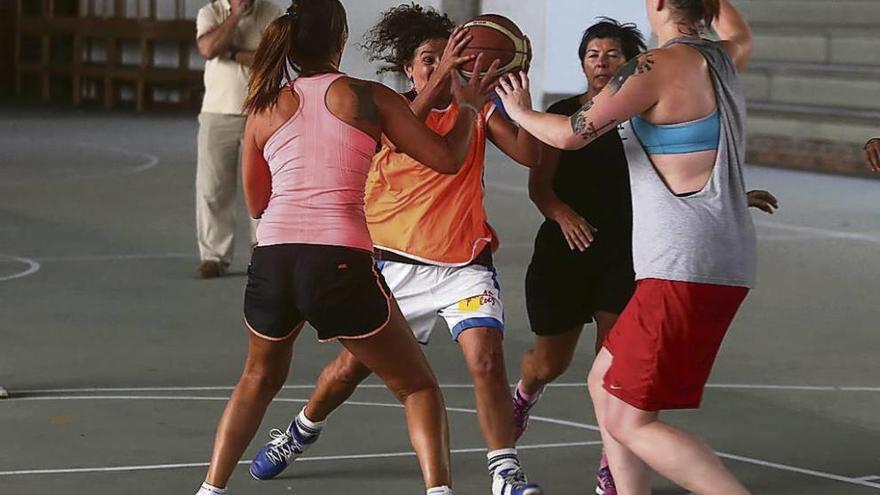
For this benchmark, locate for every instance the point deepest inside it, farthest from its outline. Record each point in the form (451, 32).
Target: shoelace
(281, 447)
(513, 477)
(605, 479)
(522, 410)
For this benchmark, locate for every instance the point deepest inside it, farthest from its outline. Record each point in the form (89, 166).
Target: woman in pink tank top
(308, 147)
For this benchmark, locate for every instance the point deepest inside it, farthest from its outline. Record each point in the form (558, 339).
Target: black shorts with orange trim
(335, 289)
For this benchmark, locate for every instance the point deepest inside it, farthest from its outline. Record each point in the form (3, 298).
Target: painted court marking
(734, 386)
(574, 424)
(32, 266)
(149, 160)
(792, 229)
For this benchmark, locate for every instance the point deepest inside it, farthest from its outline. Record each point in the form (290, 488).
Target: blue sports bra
(672, 139)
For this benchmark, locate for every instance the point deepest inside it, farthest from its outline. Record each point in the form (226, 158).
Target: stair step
(839, 46)
(812, 12)
(845, 90)
(813, 122)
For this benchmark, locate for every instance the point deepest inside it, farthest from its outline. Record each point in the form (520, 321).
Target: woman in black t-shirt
(581, 269)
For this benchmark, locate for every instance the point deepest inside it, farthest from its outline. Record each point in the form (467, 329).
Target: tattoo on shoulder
(367, 110)
(642, 64)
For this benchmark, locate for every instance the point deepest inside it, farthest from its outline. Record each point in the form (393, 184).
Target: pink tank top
(319, 167)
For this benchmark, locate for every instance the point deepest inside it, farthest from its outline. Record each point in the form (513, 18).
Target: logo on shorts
(342, 266)
(471, 304)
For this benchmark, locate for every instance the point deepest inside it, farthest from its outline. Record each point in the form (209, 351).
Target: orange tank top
(427, 216)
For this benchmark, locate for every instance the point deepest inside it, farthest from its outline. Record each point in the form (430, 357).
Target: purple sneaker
(604, 480)
(521, 408)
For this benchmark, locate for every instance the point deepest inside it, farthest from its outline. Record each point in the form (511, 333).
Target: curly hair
(401, 31)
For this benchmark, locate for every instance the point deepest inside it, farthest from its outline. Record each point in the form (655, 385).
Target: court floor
(118, 361)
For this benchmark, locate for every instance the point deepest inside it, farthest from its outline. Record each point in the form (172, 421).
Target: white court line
(810, 231)
(115, 257)
(384, 455)
(32, 267)
(869, 478)
(818, 232)
(574, 424)
(733, 386)
(150, 160)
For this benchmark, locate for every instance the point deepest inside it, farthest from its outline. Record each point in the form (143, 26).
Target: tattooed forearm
(591, 131)
(579, 119)
(367, 110)
(642, 64)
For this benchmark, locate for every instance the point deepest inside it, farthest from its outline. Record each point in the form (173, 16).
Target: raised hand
(474, 93)
(452, 59)
(513, 89)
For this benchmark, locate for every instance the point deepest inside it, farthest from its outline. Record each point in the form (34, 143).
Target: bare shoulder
(644, 65)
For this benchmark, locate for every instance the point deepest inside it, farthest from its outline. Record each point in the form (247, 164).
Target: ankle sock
(530, 398)
(502, 459)
(306, 428)
(439, 490)
(208, 489)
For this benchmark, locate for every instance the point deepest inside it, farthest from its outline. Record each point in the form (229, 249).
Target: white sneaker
(512, 481)
(3, 393)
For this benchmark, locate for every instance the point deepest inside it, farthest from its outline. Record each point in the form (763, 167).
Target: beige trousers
(219, 152)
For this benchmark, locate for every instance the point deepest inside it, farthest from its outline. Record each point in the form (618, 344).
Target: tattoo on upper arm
(367, 110)
(642, 64)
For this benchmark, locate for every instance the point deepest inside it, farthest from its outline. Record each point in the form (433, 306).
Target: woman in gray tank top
(680, 111)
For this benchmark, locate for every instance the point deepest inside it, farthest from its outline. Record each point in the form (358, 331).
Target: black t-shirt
(594, 182)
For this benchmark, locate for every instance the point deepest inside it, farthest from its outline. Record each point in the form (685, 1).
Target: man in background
(228, 33)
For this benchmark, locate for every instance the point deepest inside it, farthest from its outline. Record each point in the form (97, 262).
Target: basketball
(497, 37)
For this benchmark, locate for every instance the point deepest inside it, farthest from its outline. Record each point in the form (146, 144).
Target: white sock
(306, 427)
(208, 489)
(502, 459)
(530, 398)
(439, 490)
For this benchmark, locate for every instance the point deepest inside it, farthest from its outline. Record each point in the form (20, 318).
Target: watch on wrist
(232, 53)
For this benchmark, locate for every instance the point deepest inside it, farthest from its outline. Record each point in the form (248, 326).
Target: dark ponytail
(305, 38)
(698, 12)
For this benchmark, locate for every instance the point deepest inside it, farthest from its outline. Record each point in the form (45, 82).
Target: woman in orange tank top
(307, 150)
(431, 233)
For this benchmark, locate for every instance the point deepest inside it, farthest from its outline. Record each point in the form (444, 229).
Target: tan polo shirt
(226, 81)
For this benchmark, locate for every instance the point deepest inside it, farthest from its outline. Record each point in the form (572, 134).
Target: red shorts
(665, 342)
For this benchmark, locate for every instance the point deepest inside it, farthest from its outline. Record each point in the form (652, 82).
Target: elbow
(206, 51)
(569, 141)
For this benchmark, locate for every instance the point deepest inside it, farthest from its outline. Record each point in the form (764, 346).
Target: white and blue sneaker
(283, 449)
(512, 481)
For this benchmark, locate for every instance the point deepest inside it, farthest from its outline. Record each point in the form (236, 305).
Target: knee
(595, 382)
(262, 382)
(620, 427)
(547, 369)
(349, 372)
(487, 364)
(421, 386)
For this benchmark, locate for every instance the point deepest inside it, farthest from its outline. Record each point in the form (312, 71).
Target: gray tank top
(708, 237)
